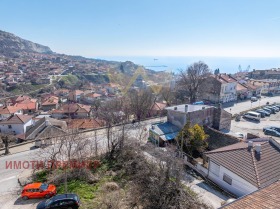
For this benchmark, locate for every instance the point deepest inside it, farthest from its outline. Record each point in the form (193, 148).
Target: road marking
(9, 178)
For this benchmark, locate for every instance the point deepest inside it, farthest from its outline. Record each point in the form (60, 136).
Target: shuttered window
(227, 179)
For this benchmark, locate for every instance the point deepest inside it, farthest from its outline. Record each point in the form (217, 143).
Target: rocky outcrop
(13, 46)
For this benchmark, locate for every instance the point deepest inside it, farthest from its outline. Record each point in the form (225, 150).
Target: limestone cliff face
(13, 46)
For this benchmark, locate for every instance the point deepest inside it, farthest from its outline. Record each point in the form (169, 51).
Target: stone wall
(218, 139)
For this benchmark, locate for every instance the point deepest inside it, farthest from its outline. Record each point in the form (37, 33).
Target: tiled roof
(84, 123)
(72, 108)
(265, 198)
(53, 100)
(17, 119)
(240, 87)
(158, 106)
(259, 170)
(26, 106)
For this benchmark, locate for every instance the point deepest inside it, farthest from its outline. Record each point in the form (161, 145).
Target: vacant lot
(248, 126)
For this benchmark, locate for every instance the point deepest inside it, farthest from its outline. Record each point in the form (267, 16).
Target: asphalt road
(243, 106)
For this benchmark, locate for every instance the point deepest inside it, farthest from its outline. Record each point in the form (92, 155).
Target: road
(243, 106)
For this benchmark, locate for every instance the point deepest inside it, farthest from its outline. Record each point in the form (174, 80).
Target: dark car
(275, 107)
(271, 108)
(267, 113)
(262, 112)
(271, 132)
(61, 201)
(273, 128)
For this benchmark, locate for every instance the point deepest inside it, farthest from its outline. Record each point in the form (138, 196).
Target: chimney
(186, 108)
(258, 149)
(175, 108)
(250, 145)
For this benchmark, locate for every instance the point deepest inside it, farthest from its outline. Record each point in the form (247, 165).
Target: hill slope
(12, 46)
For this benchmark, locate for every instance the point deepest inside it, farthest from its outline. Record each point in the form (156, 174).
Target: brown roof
(259, 170)
(84, 123)
(17, 119)
(240, 87)
(53, 100)
(72, 108)
(267, 197)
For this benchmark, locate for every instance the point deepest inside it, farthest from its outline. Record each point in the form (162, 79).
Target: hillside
(13, 46)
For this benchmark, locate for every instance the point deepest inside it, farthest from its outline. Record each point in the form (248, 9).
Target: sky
(94, 28)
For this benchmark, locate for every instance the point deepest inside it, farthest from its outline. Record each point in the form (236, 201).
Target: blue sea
(225, 64)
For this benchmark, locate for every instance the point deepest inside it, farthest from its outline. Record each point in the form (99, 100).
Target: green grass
(70, 79)
(25, 88)
(84, 190)
(41, 176)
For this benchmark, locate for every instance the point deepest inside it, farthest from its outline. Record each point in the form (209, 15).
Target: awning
(168, 137)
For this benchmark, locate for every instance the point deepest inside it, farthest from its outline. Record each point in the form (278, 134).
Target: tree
(140, 103)
(192, 139)
(6, 140)
(193, 77)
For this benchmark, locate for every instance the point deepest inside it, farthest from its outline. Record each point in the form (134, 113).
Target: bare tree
(193, 77)
(140, 103)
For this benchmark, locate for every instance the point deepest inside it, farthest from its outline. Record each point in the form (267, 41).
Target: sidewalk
(19, 148)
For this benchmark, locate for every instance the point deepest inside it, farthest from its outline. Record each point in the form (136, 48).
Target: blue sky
(240, 28)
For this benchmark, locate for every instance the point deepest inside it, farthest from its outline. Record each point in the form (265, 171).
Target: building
(72, 111)
(16, 124)
(219, 88)
(179, 115)
(7, 111)
(75, 95)
(82, 124)
(245, 167)
(267, 197)
(50, 103)
(91, 97)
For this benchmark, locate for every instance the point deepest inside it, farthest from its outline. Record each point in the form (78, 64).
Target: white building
(16, 124)
(245, 167)
(8, 111)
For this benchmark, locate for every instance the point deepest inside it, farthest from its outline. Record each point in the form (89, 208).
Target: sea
(225, 64)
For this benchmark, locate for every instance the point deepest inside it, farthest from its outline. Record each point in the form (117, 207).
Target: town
(139, 105)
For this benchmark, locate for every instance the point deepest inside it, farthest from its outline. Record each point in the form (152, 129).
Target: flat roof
(191, 108)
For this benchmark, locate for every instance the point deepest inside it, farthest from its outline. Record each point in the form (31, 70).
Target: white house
(16, 124)
(8, 111)
(245, 167)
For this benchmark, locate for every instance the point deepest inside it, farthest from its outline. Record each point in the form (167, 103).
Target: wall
(16, 128)
(179, 119)
(239, 186)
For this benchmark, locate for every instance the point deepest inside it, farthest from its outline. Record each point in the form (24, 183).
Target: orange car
(38, 190)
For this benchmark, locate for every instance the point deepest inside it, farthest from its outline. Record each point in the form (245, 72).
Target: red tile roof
(84, 123)
(260, 170)
(17, 119)
(265, 198)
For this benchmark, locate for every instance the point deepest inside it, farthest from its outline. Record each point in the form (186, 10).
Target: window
(227, 179)
(9, 126)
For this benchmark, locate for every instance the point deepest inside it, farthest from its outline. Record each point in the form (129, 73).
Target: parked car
(252, 115)
(271, 132)
(272, 127)
(277, 105)
(38, 190)
(267, 109)
(262, 112)
(272, 109)
(266, 113)
(61, 201)
(276, 108)
(254, 99)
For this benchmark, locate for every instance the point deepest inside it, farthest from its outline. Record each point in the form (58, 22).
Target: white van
(252, 115)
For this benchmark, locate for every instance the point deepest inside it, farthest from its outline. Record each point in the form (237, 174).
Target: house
(75, 95)
(112, 88)
(91, 97)
(267, 197)
(245, 167)
(7, 111)
(26, 103)
(157, 109)
(219, 88)
(196, 114)
(42, 128)
(83, 124)
(50, 103)
(74, 110)
(16, 124)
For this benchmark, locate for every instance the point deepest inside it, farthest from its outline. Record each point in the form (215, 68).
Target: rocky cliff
(13, 46)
